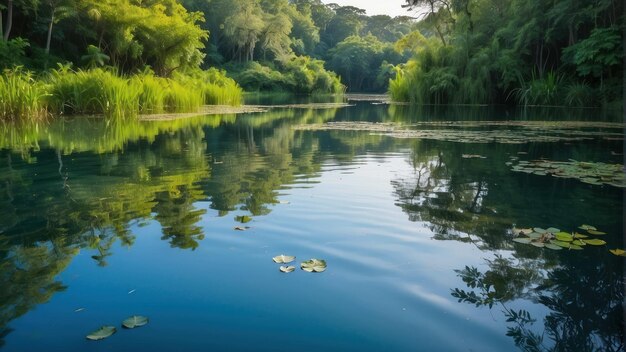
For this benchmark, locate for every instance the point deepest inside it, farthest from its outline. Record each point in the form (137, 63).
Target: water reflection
(79, 184)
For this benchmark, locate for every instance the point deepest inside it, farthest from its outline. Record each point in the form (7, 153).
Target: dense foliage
(560, 52)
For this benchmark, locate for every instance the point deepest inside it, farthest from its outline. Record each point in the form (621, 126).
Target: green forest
(154, 56)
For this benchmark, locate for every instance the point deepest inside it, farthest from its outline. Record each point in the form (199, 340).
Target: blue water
(350, 198)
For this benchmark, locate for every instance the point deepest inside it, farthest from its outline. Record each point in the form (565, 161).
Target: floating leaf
(540, 230)
(560, 243)
(135, 321)
(102, 333)
(287, 269)
(573, 246)
(241, 228)
(537, 244)
(619, 252)
(563, 236)
(313, 265)
(579, 243)
(578, 235)
(553, 246)
(243, 219)
(587, 227)
(283, 259)
(535, 235)
(595, 242)
(552, 230)
(595, 232)
(524, 240)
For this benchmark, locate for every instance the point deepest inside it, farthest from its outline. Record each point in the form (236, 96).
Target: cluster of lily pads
(509, 132)
(129, 323)
(311, 265)
(587, 172)
(555, 239)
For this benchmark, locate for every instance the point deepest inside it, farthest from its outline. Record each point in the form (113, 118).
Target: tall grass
(20, 95)
(99, 91)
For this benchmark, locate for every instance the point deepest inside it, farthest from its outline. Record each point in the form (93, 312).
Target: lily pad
(595, 242)
(552, 230)
(535, 235)
(287, 269)
(539, 230)
(595, 232)
(578, 243)
(578, 235)
(537, 244)
(618, 252)
(102, 333)
(563, 236)
(313, 265)
(562, 244)
(134, 322)
(553, 246)
(523, 240)
(283, 259)
(586, 227)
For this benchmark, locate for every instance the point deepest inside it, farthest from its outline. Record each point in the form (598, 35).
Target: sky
(375, 7)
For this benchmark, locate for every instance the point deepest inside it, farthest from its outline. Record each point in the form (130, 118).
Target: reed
(21, 95)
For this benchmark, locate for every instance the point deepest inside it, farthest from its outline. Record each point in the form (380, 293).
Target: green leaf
(595, 242)
(134, 322)
(595, 232)
(578, 235)
(102, 333)
(535, 235)
(287, 269)
(560, 243)
(618, 252)
(553, 246)
(563, 236)
(313, 265)
(587, 227)
(552, 230)
(523, 240)
(537, 244)
(540, 230)
(578, 243)
(283, 259)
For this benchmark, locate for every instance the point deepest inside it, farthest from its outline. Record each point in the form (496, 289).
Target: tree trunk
(1, 28)
(49, 34)
(9, 20)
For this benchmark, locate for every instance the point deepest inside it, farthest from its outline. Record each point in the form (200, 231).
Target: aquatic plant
(555, 239)
(588, 172)
(21, 95)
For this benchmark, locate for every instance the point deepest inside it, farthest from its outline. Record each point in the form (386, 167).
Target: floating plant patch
(587, 172)
(283, 259)
(555, 239)
(508, 132)
(102, 333)
(134, 322)
(313, 265)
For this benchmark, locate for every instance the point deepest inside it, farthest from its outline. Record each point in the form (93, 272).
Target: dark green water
(101, 221)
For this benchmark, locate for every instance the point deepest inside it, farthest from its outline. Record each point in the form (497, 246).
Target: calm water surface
(101, 221)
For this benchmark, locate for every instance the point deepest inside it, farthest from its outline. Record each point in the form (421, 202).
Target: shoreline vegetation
(129, 58)
(100, 91)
